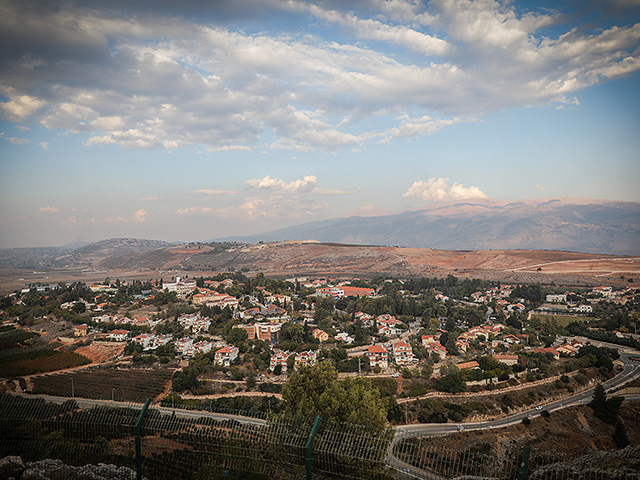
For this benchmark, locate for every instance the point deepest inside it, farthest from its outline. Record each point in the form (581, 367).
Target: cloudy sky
(176, 121)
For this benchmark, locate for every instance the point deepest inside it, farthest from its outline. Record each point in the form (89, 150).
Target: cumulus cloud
(306, 184)
(49, 209)
(44, 145)
(270, 197)
(166, 80)
(438, 190)
(193, 211)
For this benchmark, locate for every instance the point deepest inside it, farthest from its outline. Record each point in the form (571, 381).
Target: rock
(11, 466)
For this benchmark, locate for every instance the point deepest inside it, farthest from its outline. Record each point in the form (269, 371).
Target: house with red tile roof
(226, 355)
(402, 353)
(378, 356)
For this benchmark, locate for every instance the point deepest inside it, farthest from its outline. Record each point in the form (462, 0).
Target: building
(427, 339)
(556, 298)
(81, 330)
(118, 335)
(402, 353)
(226, 355)
(305, 358)
(268, 331)
(320, 335)
(471, 364)
(378, 356)
(506, 359)
(439, 349)
(280, 357)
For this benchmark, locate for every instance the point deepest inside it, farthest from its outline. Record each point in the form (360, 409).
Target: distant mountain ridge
(67, 255)
(571, 224)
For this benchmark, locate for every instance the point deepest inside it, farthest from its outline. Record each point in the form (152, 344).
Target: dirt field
(99, 353)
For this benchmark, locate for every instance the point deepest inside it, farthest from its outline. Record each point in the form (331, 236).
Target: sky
(190, 121)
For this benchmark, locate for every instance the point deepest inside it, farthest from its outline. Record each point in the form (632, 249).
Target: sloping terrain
(581, 225)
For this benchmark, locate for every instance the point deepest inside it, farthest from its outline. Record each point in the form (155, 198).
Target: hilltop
(148, 258)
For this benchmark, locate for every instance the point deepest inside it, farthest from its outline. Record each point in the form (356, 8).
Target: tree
(451, 382)
(606, 409)
(620, 435)
(315, 390)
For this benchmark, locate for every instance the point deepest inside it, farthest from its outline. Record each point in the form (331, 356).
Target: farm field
(561, 319)
(40, 361)
(133, 385)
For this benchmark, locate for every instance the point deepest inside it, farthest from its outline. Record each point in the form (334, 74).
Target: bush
(526, 421)
(545, 414)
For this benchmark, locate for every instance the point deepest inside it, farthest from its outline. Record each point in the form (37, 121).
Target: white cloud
(304, 185)
(18, 141)
(538, 187)
(208, 191)
(166, 82)
(139, 216)
(151, 199)
(269, 197)
(438, 190)
(44, 145)
(193, 210)
(49, 209)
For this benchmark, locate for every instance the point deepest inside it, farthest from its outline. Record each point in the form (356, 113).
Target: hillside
(141, 259)
(581, 225)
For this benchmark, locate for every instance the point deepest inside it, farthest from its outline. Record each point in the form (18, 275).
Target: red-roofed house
(438, 348)
(471, 364)
(378, 356)
(402, 353)
(320, 335)
(226, 355)
(551, 350)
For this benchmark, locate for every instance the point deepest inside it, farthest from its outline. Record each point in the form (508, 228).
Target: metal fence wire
(179, 443)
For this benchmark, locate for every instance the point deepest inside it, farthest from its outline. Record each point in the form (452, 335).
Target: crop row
(121, 385)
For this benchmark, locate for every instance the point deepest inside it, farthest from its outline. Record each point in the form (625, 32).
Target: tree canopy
(315, 390)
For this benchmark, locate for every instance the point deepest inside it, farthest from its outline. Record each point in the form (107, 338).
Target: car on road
(395, 375)
(539, 407)
(460, 428)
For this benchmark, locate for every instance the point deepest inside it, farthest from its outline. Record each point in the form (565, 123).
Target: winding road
(630, 358)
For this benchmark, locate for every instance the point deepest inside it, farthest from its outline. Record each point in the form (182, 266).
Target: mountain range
(570, 224)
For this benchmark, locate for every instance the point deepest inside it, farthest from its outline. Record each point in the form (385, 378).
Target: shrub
(526, 421)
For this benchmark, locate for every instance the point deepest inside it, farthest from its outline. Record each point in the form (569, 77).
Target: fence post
(139, 441)
(525, 461)
(307, 448)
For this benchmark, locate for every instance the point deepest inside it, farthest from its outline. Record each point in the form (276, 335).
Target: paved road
(631, 371)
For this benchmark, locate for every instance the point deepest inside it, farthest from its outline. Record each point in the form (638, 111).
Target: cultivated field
(134, 385)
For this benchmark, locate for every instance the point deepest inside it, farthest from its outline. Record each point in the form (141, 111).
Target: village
(269, 327)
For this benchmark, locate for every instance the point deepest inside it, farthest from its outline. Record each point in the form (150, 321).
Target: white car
(539, 407)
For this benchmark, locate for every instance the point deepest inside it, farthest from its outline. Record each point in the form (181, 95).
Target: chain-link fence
(176, 443)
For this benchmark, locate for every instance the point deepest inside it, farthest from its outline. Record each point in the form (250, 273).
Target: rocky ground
(14, 467)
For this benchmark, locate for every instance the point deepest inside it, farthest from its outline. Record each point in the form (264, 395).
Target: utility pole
(112, 393)
(72, 390)
(359, 370)
(172, 402)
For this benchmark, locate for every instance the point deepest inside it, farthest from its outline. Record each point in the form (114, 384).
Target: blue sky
(174, 121)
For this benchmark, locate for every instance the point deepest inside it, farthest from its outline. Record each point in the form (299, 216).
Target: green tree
(315, 390)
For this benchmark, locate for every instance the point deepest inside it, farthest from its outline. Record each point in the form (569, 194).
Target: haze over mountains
(573, 224)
